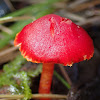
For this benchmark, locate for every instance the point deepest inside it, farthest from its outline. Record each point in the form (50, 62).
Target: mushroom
(51, 40)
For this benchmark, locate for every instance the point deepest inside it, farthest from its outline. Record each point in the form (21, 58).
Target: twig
(7, 99)
(8, 54)
(29, 1)
(72, 16)
(76, 3)
(8, 51)
(5, 29)
(60, 4)
(85, 5)
(9, 4)
(94, 20)
(65, 75)
(37, 96)
(10, 18)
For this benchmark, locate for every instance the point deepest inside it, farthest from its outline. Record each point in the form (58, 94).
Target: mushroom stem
(46, 79)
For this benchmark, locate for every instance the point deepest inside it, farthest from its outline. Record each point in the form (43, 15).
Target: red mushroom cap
(54, 39)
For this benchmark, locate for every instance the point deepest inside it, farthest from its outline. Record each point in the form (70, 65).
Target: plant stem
(66, 76)
(10, 19)
(35, 96)
(46, 79)
(62, 80)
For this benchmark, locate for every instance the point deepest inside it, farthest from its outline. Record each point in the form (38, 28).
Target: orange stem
(46, 79)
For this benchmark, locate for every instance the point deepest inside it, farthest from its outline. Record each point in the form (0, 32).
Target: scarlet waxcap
(54, 39)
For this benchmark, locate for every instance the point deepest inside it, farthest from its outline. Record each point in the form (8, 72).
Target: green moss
(36, 72)
(12, 74)
(25, 83)
(10, 69)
